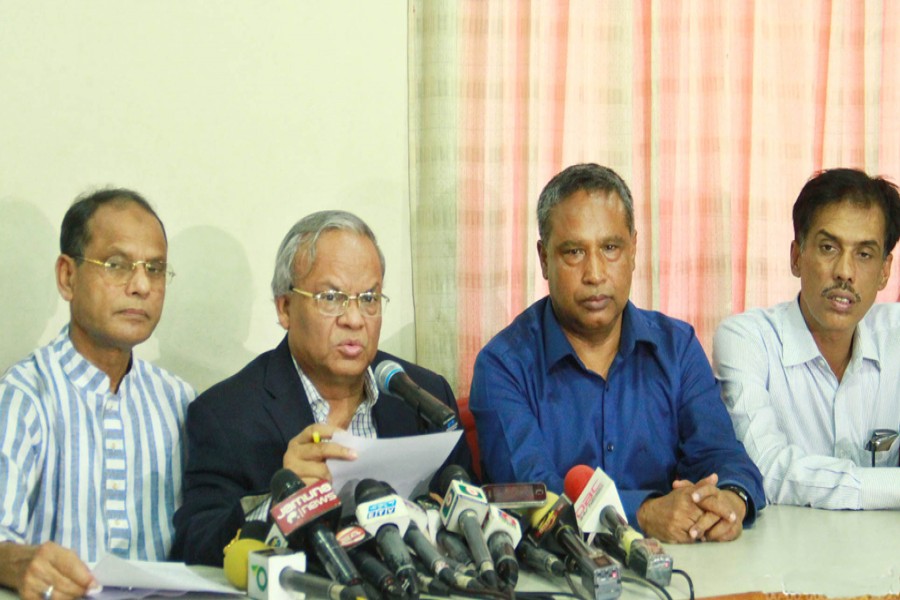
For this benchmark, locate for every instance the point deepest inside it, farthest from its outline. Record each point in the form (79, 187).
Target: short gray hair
(303, 237)
(588, 177)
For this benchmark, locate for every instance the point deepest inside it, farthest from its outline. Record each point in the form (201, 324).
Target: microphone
(249, 538)
(383, 514)
(248, 552)
(600, 507)
(590, 490)
(432, 510)
(539, 559)
(555, 528)
(463, 511)
(503, 534)
(306, 516)
(292, 581)
(355, 541)
(643, 556)
(392, 379)
(433, 560)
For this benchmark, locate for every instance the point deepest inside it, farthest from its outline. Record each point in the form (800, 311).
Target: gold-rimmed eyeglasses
(333, 303)
(119, 271)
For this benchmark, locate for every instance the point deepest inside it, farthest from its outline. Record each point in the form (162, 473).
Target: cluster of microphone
(395, 548)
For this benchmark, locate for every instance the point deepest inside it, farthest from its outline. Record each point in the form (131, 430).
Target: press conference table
(793, 550)
(789, 549)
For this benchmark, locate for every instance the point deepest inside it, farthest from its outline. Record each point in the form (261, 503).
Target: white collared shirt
(806, 431)
(362, 424)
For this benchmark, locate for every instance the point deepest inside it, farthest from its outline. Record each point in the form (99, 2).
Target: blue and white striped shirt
(93, 471)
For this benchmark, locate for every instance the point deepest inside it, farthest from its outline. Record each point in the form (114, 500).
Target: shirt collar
(80, 371)
(557, 345)
(319, 405)
(800, 346)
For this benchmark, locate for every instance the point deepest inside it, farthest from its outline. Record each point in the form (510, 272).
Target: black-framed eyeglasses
(119, 271)
(333, 303)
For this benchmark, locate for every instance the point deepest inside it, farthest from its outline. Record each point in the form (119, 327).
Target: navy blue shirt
(657, 417)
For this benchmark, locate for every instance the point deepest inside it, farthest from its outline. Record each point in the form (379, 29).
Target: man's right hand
(32, 570)
(306, 457)
(677, 517)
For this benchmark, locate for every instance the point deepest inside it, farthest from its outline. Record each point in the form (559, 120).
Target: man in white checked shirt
(90, 437)
(813, 385)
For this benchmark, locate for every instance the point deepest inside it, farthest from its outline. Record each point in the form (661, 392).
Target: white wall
(234, 119)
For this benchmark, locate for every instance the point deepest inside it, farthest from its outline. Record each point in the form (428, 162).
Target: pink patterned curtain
(715, 113)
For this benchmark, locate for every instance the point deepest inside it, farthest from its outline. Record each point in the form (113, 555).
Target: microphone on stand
(392, 379)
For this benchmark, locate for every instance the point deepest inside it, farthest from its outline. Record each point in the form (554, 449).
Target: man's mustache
(844, 287)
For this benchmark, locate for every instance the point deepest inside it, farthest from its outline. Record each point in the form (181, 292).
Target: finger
(724, 531)
(325, 450)
(718, 505)
(53, 565)
(704, 489)
(316, 431)
(681, 483)
(698, 531)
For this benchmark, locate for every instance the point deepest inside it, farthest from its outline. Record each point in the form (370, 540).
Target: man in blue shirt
(586, 377)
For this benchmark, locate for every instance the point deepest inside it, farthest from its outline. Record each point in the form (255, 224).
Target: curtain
(715, 113)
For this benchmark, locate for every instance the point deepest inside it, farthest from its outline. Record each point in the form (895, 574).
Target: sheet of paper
(407, 463)
(122, 578)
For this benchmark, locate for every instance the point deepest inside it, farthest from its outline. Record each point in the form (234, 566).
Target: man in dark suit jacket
(327, 286)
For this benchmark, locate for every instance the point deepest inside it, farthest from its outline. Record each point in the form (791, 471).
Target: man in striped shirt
(90, 436)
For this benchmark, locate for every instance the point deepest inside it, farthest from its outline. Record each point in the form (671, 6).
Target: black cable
(660, 590)
(573, 587)
(545, 595)
(688, 579)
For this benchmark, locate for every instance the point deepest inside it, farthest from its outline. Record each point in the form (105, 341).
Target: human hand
(730, 511)
(306, 456)
(51, 572)
(677, 516)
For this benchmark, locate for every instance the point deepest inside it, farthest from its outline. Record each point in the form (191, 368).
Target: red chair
(468, 423)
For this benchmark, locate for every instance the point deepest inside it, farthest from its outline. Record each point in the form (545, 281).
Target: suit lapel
(287, 403)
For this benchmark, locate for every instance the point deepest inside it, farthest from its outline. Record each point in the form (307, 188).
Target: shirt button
(610, 447)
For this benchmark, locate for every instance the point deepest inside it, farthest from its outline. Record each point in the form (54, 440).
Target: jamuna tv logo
(304, 506)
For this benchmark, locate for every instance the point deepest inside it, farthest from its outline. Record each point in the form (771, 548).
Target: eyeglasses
(119, 271)
(334, 304)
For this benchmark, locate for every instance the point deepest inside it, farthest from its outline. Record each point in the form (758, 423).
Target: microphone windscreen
(284, 483)
(237, 558)
(383, 373)
(450, 474)
(577, 477)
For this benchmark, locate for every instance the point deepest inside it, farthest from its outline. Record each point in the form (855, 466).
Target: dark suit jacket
(238, 432)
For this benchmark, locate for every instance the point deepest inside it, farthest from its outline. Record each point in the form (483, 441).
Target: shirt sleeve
(22, 456)
(510, 440)
(790, 474)
(707, 439)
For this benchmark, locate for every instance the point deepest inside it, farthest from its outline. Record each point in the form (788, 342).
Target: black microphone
(539, 559)
(307, 517)
(503, 533)
(318, 587)
(430, 556)
(357, 542)
(392, 379)
(556, 529)
(376, 573)
(644, 556)
(383, 513)
(464, 509)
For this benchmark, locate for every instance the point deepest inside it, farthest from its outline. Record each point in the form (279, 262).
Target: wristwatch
(741, 493)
